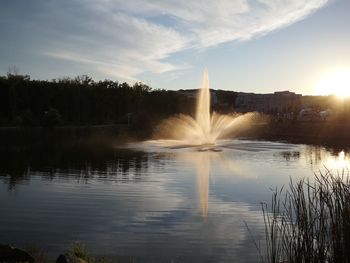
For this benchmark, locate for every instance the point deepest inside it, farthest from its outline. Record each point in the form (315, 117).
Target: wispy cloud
(127, 38)
(214, 22)
(117, 44)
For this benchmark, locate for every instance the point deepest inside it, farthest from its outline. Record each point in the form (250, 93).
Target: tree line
(83, 101)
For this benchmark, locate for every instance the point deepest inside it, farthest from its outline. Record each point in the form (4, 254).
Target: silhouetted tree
(52, 118)
(82, 101)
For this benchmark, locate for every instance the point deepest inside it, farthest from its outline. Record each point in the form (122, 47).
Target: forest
(81, 101)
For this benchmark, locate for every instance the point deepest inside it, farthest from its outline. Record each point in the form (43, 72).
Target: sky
(256, 46)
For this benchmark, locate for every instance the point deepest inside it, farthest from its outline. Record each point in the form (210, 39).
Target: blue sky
(247, 45)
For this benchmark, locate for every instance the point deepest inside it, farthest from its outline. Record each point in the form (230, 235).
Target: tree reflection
(290, 155)
(332, 159)
(17, 166)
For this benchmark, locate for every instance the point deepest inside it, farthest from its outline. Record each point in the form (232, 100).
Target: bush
(52, 118)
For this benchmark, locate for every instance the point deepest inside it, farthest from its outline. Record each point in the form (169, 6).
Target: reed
(309, 221)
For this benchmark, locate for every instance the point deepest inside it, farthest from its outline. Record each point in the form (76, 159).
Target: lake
(156, 202)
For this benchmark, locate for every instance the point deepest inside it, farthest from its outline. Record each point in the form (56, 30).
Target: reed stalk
(309, 221)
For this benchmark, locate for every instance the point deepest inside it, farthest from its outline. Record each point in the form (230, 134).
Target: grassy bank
(77, 253)
(316, 132)
(97, 135)
(333, 134)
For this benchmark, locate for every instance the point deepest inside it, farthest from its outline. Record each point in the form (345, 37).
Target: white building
(278, 102)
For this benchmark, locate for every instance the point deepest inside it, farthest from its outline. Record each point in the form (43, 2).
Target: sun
(335, 83)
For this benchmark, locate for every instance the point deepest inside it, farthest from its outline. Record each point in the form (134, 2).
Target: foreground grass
(79, 250)
(76, 250)
(309, 221)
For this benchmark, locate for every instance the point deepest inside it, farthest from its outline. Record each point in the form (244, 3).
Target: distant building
(192, 93)
(278, 102)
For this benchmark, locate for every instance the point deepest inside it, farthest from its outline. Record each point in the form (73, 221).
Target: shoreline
(328, 134)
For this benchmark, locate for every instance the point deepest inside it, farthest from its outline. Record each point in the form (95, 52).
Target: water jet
(205, 128)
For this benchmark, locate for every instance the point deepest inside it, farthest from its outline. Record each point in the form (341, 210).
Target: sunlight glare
(336, 83)
(339, 162)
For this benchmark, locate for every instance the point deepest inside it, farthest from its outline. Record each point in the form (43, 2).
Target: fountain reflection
(203, 163)
(203, 171)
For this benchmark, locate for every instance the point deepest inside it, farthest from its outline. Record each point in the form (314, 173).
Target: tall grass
(79, 250)
(309, 221)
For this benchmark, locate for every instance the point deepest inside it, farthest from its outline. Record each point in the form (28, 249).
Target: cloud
(214, 22)
(117, 44)
(124, 39)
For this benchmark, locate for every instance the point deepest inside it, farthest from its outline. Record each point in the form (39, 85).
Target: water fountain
(205, 128)
(199, 140)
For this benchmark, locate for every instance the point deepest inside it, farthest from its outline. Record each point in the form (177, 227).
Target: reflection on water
(290, 155)
(79, 164)
(202, 164)
(152, 201)
(318, 157)
(338, 162)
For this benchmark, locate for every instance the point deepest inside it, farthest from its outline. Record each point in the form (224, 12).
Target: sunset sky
(247, 45)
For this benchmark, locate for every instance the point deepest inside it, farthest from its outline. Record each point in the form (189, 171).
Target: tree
(52, 118)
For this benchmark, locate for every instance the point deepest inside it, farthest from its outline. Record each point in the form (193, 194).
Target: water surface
(148, 200)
